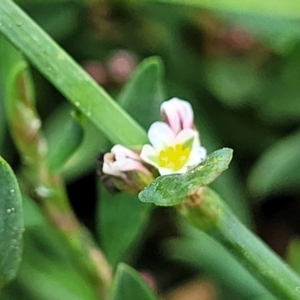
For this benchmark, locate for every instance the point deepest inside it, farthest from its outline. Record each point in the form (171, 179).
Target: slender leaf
(128, 285)
(121, 220)
(68, 77)
(278, 168)
(233, 82)
(213, 216)
(293, 254)
(288, 9)
(2, 120)
(205, 254)
(11, 223)
(88, 148)
(51, 273)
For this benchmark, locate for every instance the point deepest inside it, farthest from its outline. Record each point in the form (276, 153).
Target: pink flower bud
(126, 169)
(178, 114)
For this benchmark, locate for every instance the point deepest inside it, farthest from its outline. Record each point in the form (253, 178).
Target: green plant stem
(37, 180)
(68, 77)
(210, 214)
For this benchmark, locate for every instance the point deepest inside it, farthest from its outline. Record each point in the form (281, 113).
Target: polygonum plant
(175, 148)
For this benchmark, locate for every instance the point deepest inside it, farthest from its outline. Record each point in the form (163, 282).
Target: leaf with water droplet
(11, 223)
(173, 189)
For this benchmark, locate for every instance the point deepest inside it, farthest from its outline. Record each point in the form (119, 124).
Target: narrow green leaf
(233, 82)
(51, 273)
(213, 216)
(68, 77)
(278, 168)
(293, 255)
(128, 285)
(205, 254)
(11, 223)
(59, 18)
(67, 142)
(121, 220)
(92, 142)
(143, 94)
(282, 83)
(288, 8)
(172, 189)
(23, 120)
(2, 120)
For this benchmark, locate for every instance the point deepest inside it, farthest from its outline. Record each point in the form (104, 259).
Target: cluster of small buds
(175, 148)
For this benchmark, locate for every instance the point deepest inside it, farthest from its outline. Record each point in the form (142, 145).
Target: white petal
(185, 135)
(111, 169)
(164, 171)
(149, 155)
(122, 152)
(127, 165)
(160, 134)
(197, 155)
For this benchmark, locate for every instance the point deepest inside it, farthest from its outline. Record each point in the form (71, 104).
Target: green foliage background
(239, 66)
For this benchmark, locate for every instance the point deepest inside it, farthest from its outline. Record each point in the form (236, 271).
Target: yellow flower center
(174, 157)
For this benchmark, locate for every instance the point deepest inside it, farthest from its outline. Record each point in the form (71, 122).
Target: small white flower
(172, 151)
(178, 114)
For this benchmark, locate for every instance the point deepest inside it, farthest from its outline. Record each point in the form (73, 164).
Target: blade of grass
(68, 77)
(286, 9)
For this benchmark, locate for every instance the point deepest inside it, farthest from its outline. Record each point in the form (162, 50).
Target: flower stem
(211, 215)
(37, 180)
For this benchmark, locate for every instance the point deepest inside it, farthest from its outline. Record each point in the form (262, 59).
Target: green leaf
(293, 254)
(11, 223)
(282, 83)
(23, 120)
(172, 189)
(213, 216)
(205, 254)
(278, 168)
(59, 18)
(128, 285)
(47, 271)
(288, 8)
(68, 77)
(121, 220)
(92, 142)
(2, 119)
(67, 141)
(232, 81)
(143, 94)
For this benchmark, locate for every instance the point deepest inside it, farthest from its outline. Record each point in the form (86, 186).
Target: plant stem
(210, 214)
(38, 181)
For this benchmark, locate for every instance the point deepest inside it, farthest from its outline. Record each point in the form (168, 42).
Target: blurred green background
(239, 66)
